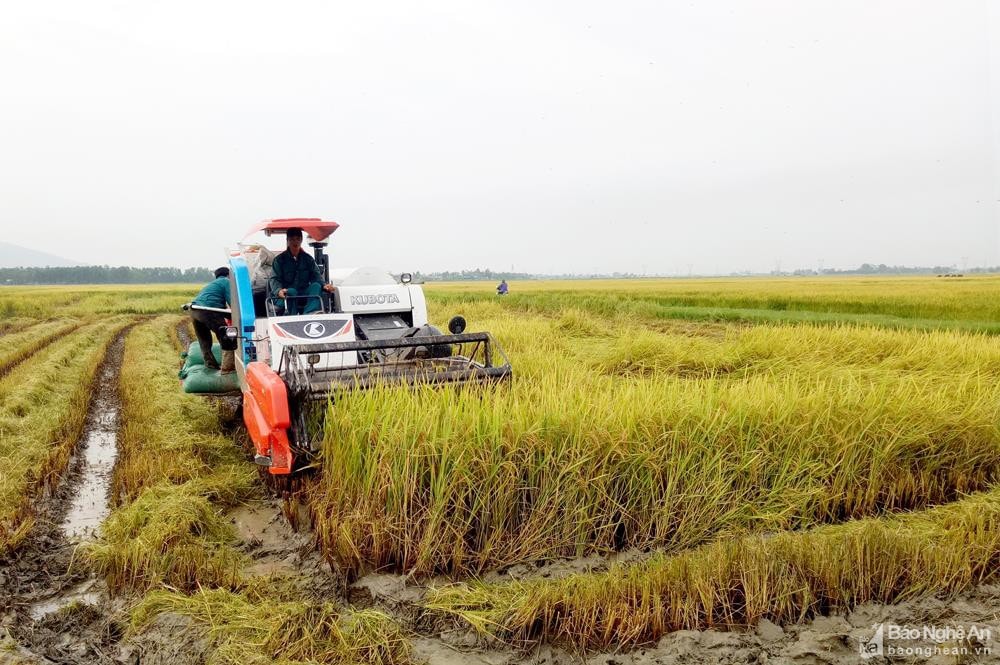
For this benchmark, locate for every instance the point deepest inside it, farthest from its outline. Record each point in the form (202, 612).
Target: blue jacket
(215, 294)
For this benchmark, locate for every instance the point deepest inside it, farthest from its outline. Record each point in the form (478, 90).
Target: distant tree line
(104, 275)
(883, 269)
(480, 274)
(164, 275)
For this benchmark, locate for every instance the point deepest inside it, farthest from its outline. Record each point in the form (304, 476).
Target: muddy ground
(85, 632)
(52, 611)
(276, 548)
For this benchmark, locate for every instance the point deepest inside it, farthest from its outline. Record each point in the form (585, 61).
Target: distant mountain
(15, 256)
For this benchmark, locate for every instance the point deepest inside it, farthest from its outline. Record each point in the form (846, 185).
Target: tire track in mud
(10, 327)
(183, 333)
(49, 605)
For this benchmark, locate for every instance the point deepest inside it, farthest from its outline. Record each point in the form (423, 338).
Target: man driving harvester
(297, 279)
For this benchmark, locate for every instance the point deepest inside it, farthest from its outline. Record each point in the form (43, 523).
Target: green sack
(201, 379)
(193, 358)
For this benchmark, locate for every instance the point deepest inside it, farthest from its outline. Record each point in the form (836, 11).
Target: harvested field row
(12, 324)
(21, 345)
(43, 405)
(173, 473)
(266, 623)
(733, 583)
(170, 543)
(943, 357)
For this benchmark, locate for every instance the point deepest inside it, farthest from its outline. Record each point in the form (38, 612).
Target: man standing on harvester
(297, 279)
(208, 313)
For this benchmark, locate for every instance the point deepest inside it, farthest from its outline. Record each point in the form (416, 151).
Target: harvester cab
(371, 328)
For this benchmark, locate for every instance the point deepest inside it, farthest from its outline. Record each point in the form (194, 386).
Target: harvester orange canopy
(317, 228)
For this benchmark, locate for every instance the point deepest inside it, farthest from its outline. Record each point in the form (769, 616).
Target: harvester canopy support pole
(321, 259)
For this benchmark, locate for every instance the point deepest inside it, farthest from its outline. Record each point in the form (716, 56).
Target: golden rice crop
(33, 303)
(781, 349)
(568, 460)
(918, 298)
(733, 583)
(767, 468)
(82, 301)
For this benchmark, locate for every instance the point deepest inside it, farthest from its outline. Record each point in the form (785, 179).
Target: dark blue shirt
(215, 294)
(294, 272)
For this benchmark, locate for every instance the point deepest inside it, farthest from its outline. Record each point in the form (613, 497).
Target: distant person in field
(296, 275)
(216, 296)
(502, 288)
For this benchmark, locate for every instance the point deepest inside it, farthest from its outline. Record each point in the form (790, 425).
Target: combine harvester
(371, 330)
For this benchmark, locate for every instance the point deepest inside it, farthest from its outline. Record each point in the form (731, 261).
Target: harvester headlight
(457, 325)
(406, 278)
(232, 332)
(312, 359)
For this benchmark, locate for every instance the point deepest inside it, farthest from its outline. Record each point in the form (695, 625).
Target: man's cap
(221, 272)
(293, 232)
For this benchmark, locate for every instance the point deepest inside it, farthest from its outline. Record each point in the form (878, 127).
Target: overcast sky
(544, 136)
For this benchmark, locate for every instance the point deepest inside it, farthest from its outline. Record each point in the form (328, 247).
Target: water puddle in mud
(90, 506)
(93, 464)
(85, 593)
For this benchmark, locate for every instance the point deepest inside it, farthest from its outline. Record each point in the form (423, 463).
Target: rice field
(739, 449)
(612, 438)
(733, 583)
(771, 466)
(43, 396)
(906, 301)
(169, 545)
